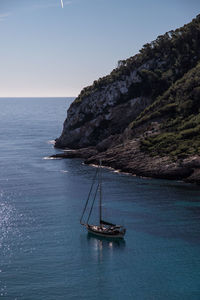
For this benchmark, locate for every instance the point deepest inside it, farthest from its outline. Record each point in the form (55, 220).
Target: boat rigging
(104, 228)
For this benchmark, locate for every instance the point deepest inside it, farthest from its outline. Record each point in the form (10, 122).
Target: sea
(45, 254)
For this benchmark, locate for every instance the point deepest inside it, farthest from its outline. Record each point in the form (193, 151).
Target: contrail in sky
(61, 3)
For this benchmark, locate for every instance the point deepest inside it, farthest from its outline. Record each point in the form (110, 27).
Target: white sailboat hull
(104, 232)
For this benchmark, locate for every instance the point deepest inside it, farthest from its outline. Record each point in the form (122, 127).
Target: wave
(48, 157)
(52, 142)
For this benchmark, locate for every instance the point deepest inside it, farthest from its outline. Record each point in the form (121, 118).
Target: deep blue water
(44, 252)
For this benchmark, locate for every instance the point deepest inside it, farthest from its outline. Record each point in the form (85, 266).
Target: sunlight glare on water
(44, 252)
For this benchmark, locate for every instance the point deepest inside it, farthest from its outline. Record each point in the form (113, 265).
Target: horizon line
(37, 97)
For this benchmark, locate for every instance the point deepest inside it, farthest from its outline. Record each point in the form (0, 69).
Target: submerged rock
(78, 153)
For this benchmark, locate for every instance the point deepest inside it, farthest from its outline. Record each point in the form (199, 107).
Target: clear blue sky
(49, 51)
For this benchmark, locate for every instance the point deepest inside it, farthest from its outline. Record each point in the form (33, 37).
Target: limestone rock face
(104, 112)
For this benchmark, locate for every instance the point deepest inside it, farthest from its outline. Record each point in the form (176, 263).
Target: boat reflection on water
(103, 245)
(106, 242)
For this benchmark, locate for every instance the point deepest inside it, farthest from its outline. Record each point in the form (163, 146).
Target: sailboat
(103, 228)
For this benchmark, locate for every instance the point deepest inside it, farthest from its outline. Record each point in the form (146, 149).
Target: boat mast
(88, 198)
(100, 194)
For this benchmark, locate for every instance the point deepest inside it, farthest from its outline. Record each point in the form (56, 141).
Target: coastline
(130, 160)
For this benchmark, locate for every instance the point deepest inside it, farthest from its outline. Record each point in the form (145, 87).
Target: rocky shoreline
(129, 159)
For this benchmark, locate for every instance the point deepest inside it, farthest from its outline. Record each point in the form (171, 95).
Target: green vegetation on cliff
(171, 56)
(178, 111)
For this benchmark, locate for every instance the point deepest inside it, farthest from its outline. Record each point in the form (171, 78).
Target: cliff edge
(144, 117)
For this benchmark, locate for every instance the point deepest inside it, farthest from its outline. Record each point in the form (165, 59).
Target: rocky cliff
(143, 117)
(104, 111)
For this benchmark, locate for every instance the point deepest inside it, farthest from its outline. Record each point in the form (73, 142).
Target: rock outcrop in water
(144, 117)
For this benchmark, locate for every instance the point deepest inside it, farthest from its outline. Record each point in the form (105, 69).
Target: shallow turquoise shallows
(46, 254)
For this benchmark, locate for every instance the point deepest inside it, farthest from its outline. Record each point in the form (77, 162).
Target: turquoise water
(44, 252)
